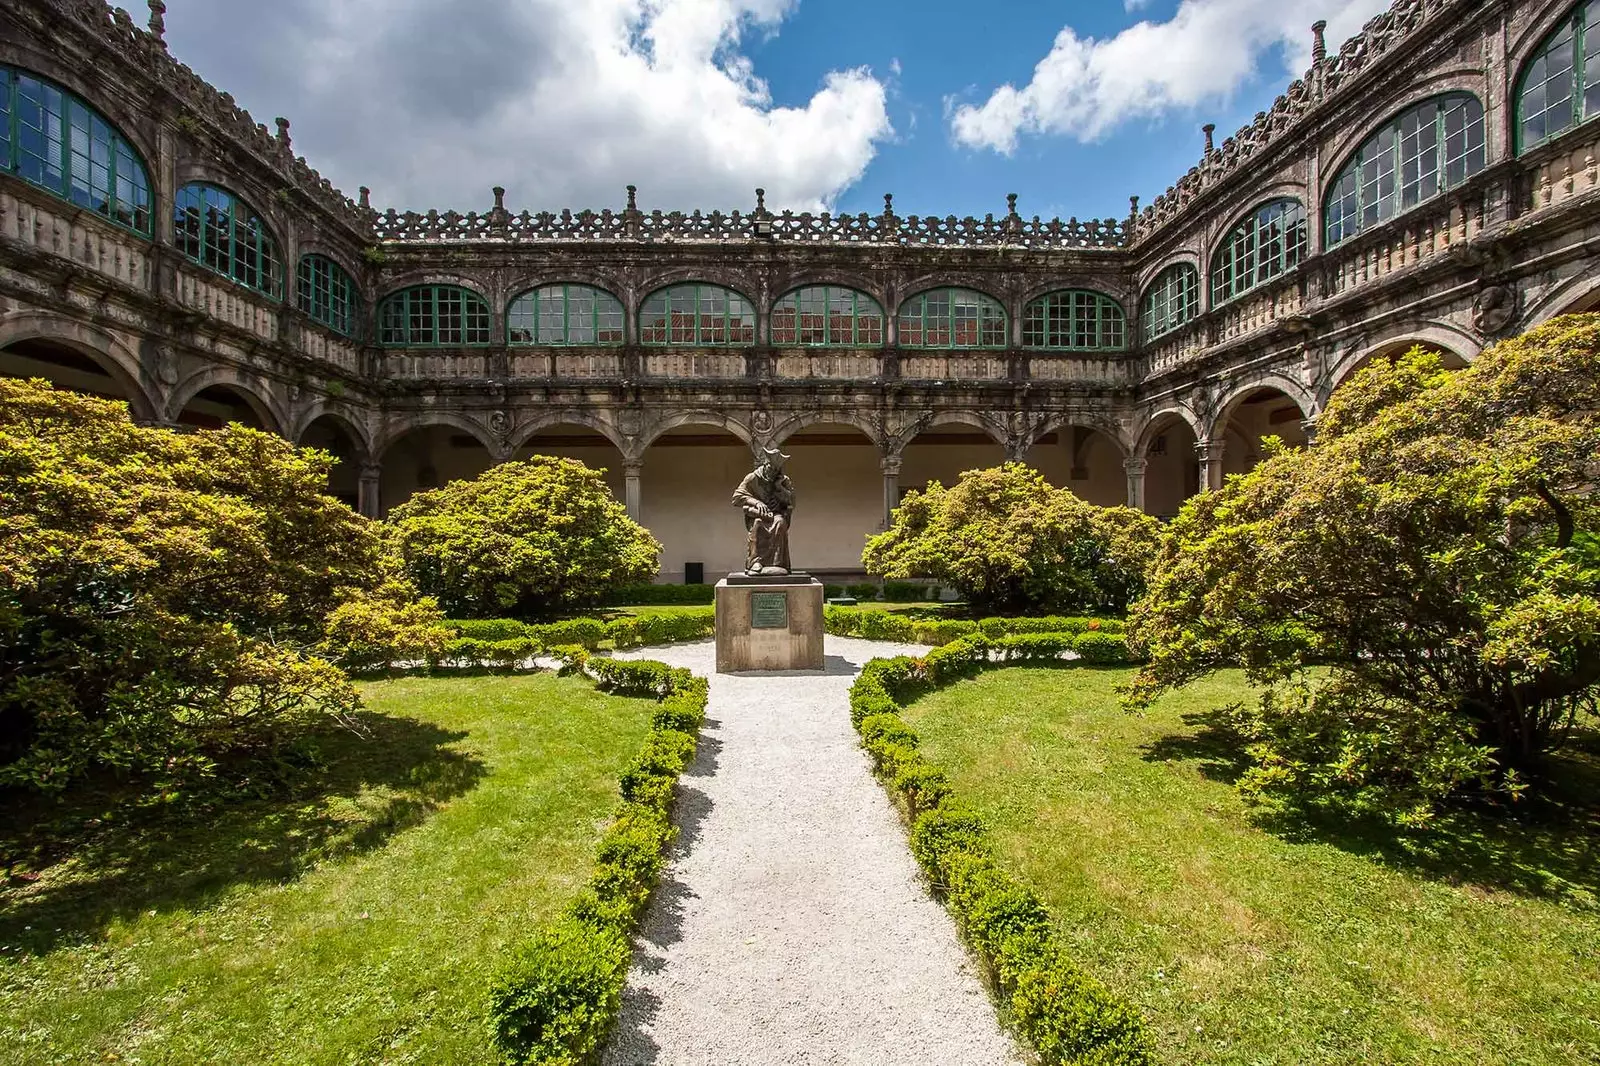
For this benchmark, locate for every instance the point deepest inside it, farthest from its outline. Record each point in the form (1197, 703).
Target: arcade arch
(1171, 471)
(331, 434)
(427, 457)
(688, 474)
(68, 367)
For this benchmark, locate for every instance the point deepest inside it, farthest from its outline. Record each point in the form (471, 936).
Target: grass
(1477, 943)
(357, 917)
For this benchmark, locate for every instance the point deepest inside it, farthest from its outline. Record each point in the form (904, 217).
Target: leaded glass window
(952, 318)
(697, 315)
(433, 316)
(327, 294)
(1418, 154)
(565, 315)
(1075, 320)
(1560, 86)
(52, 139)
(1268, 242)
(1171, 300)
(825, 316)
(220, 232)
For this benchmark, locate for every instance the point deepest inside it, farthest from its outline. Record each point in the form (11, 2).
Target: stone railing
(1414, 237)
(1256, 310)
(1174, 349)
(1573, 170)
(45, 224)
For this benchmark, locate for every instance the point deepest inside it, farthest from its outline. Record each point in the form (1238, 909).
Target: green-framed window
(433, 316)
(1560, 85)
(698, 315)
(1074, 320)
(52, 139)
(827, 316)
(1172, 300)
(222, 233)
(952, 318)
(565, 315)
(1420, 153)
(1268, 242)
(327, 293)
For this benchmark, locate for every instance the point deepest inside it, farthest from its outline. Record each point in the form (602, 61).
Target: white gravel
(792, 925)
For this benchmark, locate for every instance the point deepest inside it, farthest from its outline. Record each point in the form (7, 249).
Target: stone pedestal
(769, 623)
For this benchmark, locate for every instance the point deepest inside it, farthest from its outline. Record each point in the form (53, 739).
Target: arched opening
(688, 479)
(65, 368)
(839, 486)
(331, 435)
(1172, 468)
(590, 447)
(1589, 301)
(1084, 460)
(1393, 350)
(428, 457)
(219, 405)
(1261, 412)
(944, 453)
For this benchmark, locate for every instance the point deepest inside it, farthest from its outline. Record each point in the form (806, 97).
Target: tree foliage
(159, 590)
(1437, 550)
(1013, 544)
(523, 539)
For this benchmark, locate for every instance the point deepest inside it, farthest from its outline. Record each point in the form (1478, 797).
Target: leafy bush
(662, 596)
(1439, 550)
(908, 592)
(490, 628)
(523, 539)
(1010, 542)
(587, 632)
(555, 999)
(1102, 648)
(862, 590)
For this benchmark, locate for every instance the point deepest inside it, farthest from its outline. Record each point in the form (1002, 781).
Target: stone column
(369, 490)
(1309, 428)
(1135, 469)
(890, 465)
(632, 491)
(1210, 453)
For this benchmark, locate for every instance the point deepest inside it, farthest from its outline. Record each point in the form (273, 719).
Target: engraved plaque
(769, 610)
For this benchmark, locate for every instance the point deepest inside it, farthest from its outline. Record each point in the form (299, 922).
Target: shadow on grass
(102, 854)
(1548, 847)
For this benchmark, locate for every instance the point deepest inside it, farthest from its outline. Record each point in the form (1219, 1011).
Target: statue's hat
(774, 456)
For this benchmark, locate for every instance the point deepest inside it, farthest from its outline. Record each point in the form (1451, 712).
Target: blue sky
(1074, 106)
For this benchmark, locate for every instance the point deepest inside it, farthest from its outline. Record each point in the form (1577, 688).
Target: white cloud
(564, 102)
(1085, 87)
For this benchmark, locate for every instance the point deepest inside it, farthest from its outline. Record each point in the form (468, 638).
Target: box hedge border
(1067, 1015)
(556, 996)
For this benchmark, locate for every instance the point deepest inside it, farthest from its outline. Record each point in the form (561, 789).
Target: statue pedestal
(769, 623)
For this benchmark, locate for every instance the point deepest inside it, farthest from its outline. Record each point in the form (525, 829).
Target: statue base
(769, 622)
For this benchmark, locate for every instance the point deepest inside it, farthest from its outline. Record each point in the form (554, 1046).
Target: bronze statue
(766, 495)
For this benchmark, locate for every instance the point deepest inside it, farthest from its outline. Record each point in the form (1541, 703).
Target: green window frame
(1076, 320)
(221, 232)
(327, 293)
(566, 316)
(1171, 301)
(52, 139)
(827, 316)
(704, 316)
(1267, 243)
(1419, 154)
(433, 316)
(1560, 86)
(953, 318)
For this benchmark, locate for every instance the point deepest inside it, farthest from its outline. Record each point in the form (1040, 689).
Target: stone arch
(1229, 404)
(925, 454)
(124, 114)
(334, 432)
(839, 471)
(323, 409)
(896, 442)
(1162, 416)
(1533, 34)
(1576, 295)
(398, 428)
(715, 419)
(796, 423)
(101, 348)
(1086, 458)
(863, 283)
(1459, 348)
(1346, 139)
(688, 465)
(420, 452)
(260, 401)
(1170, 473)
(588, 419)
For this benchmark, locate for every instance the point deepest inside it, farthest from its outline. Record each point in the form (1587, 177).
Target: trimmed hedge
(557, 995)
(662, 596)
(882, 625)
(1068, 1016)
(504, 643)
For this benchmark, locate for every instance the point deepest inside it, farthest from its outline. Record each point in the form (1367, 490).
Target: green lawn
(358, 921)
(1247, 946)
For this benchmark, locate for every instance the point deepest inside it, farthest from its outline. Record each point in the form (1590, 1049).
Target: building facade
(1434, 181)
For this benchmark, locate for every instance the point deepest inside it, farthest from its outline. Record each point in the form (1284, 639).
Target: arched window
(52, 139)
(220, 232)
(701, 315)
(1076, 320)
(1269, 241)
(433, 316)
(327, 294)
(1417, 155)
(1171, 300)
(1560, 86)
(952, 318)
(825, 316)
(565, 315)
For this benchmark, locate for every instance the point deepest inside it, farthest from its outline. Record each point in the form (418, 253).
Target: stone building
(1433, 181)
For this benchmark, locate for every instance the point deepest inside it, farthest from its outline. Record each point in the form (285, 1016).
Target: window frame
(1163, 286)
(1080, 305)
(415, 309)
(950, 319)
(324, 293)
(1583, 75)
(861, 306)
(733, 329)
(62, 151)
(207, 252)
(1242, 244)
(534, 298)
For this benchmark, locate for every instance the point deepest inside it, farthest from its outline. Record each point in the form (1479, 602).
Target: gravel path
(791, 925)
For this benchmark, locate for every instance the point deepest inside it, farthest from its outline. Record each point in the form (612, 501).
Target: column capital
(890, 465)
(1135, 465)
(632, 467)
(1309, 428)
(1210, 451)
